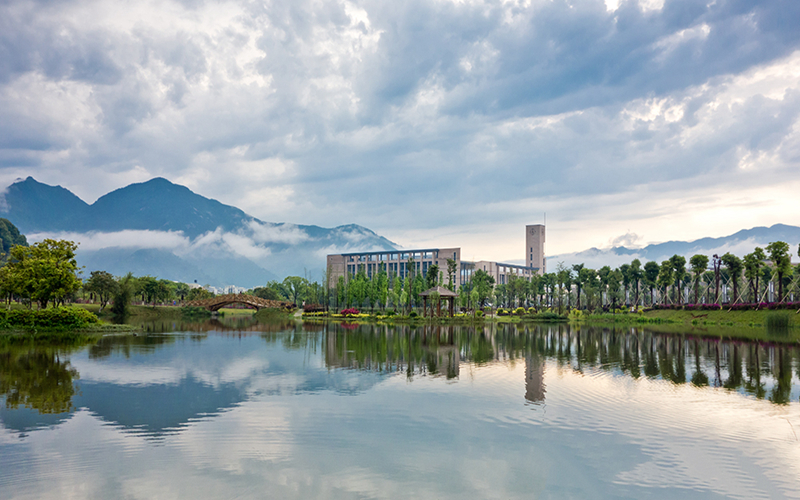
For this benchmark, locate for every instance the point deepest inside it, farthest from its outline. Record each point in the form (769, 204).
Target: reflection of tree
(754, 385)
(37, 379)
(783, 377)
(699, 377)
(721, 363)
(131, 344)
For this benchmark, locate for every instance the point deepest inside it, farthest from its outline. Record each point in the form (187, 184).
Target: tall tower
(534, 247)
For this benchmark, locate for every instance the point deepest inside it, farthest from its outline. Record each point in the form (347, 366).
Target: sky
(434, 123)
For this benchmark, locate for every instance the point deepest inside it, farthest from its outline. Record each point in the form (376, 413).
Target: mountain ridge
(186, 235)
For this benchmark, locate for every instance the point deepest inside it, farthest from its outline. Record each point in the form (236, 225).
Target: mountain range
(163, 229)
(739, 243)
(166, 230)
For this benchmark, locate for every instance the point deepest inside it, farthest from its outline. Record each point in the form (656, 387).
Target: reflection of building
(534, 378)
(396, 262)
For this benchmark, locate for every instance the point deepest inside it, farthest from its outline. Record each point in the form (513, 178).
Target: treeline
(764, 275)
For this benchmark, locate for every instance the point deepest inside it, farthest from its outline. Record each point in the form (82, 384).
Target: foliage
(779, 255)
(309, 308)
(482, 283)
(55, 318)
(120, 306)
(103, 285)
(10, 237)
(199, 294)
(352, 311)
(44, 272)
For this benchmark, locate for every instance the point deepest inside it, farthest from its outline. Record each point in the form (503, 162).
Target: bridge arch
(220, 301)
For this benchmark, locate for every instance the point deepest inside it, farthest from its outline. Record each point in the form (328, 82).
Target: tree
(149, 288)
(296, 287)
(625, 269)
(679, 270)
(432, 278)
(699, 265)
(579, 280)
(268, 293)
(122, 298)
(753, 265)
(482, 283)
(181, 290)
(779, 255)
(651, 271)
(615, 277)
(199, 293)
(636, 277)
(451, 274)
(44, 271)
(103, 285)
(735, 266)
(666, 277)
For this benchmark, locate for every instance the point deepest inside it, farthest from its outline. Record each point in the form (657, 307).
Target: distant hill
(739, 243)
(166, 230)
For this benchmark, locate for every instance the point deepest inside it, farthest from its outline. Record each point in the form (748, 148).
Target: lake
(242, 409)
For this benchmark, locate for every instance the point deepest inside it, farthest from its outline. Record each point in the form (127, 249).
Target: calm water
(242, 410)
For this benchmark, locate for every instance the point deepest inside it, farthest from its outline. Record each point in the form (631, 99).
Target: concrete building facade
(396, 262)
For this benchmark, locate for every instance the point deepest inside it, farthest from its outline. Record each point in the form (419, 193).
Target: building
(396, 262)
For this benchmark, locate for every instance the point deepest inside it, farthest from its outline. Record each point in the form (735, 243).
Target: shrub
(312, 308)
(519, 311)
(352, 311)
(412, 314)
(55, 318)
(479, 314)
(501, 312)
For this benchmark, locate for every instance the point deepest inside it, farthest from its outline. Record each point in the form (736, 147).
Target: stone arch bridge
(220, 301)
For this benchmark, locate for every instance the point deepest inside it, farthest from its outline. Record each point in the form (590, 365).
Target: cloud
(164, 240)
(411, 117)
(628, 239)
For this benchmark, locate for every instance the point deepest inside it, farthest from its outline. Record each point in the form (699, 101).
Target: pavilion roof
(443, 292)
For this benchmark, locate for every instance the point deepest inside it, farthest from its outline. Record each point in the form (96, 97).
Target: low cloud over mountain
(166, 230)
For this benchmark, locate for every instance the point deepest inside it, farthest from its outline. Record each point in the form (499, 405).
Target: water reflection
(358, 411)
(36, 378)
(44, 380)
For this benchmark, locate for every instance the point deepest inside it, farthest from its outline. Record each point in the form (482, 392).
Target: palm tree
(699, 265)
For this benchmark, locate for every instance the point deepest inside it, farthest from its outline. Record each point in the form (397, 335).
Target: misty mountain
(166, 230)
(739, 243)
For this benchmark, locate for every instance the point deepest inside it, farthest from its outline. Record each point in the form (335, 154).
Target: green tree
(268, 293)
(102, 284)
(579, 280)
(615, 278)
(44, 272)
(734, 265)
(482, 283)
(451, 274)
(296, 287)
(432, 278)
(699, 265)
(666, 277)
(651, 271)
(181, 290)
(625, 269)
(779, 255)
(121, 301)
(679, 272)
(753, 266)
(636, 275)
